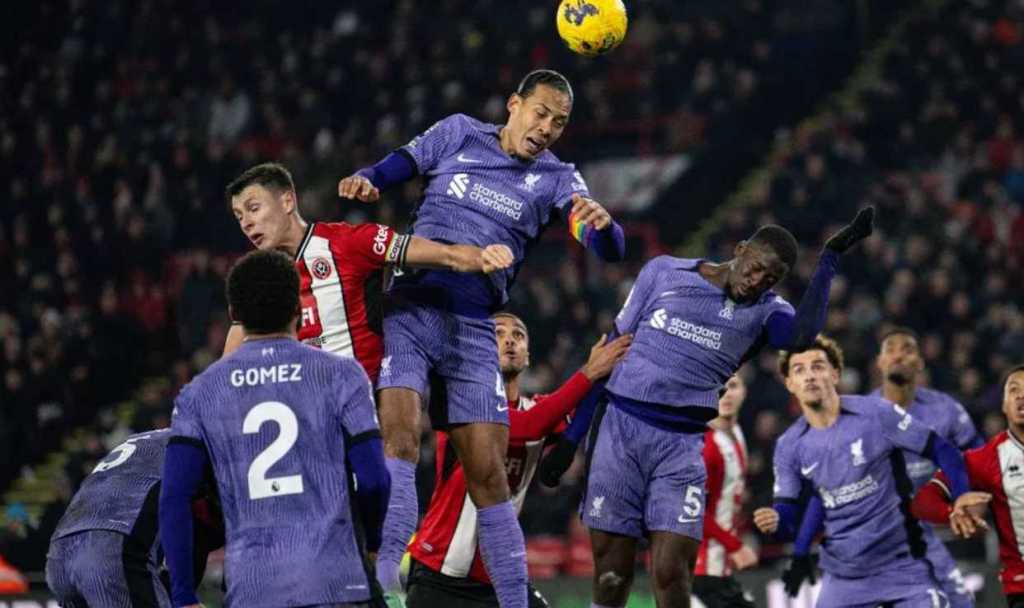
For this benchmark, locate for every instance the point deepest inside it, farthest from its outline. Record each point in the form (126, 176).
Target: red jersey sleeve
(545, 416)
(715, 472)
(375, 245)
(932, 501)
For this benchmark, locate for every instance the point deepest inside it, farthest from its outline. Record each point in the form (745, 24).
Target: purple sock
(504, 551)
(399, 522)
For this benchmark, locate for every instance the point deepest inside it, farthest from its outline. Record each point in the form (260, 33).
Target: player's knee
(487, 481)
(666, 573)
(402, 444)
(613, 584)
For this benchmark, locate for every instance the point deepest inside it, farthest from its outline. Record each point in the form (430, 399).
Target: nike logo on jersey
(805, 471)
(502, 408)
(462, 158)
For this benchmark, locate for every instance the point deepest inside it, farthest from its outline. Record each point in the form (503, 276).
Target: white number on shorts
(123, 451)
(692, 503)
(261, 486)
(939, 599)
(499, 386)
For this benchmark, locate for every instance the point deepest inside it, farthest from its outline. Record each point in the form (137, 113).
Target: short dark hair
(273, 176)
(263, 291)
(1013, 370)
(825, 344)
(899, 330)
(550, 78)
(780, 240)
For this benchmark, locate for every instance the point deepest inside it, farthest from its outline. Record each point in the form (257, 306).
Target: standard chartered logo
(487, 197)
(843, 495)
(698, 334)
(457, 187)
(658, 318)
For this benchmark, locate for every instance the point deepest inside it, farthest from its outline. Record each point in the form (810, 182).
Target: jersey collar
(305, 240)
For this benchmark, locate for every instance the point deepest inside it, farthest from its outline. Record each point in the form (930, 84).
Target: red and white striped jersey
(447, 538)
(340, 267)
(725, 458)
(998, 468)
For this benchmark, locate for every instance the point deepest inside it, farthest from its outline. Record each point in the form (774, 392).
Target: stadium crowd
(935, 145)
(115, 149)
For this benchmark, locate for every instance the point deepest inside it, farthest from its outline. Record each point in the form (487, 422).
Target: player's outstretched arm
(788, 331)
(544, 417)
(424, 253)
(592, 225)
(366, 184)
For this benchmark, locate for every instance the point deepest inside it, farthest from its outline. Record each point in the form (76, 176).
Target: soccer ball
(592, 27)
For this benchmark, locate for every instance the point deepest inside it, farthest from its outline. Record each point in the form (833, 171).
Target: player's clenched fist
(358, 187)
(590, 212)
(496, 257)
(767, 520)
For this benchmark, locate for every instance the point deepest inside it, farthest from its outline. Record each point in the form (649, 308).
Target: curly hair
(826, 345)
(263, 292)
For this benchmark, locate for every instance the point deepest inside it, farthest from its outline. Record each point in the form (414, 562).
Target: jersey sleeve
(185, 416)
(636, 302)
(901, 429)
(354, 403)
(439, 141)
(549, 412)
(787, 472)
(962, 431)
(569, 182)
(375, 245)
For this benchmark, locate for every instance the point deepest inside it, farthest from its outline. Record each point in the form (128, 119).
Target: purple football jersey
(944, 415)
(478, 194)
(853, 466)
(688, 336)
(275, 418)
(122, 492)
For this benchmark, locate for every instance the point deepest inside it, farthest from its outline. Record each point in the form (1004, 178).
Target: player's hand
(968, 516)
(605, 355)
(800, 569)
(767, 520)
(496, 257)
(856, 231)
(590, 212)
(743, 558)
(358, 187)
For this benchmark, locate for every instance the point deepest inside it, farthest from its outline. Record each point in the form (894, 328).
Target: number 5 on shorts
(692, 503)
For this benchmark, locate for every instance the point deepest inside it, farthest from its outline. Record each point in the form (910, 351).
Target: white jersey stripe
(335, 336)
(1011, 464)
(462, 549)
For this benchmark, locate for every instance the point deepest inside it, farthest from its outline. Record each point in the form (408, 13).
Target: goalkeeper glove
(556, 463)
(801, 569)
(859, 229)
